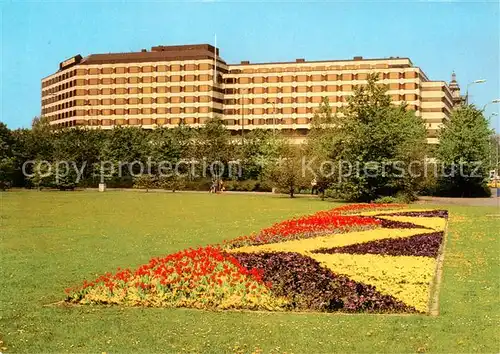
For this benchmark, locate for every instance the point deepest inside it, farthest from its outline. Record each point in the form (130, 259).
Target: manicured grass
(53, 240)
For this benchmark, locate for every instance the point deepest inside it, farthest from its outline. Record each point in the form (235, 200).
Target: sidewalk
(492, 201)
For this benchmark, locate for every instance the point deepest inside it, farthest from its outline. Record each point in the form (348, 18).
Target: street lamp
(497, 100)
(242, 115)
(480, 81)
(273, 103)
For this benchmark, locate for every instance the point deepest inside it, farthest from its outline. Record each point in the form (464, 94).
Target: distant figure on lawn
(314, 186)
(213, 187)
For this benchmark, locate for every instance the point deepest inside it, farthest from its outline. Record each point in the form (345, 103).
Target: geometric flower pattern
(355, 258)
(399, 262)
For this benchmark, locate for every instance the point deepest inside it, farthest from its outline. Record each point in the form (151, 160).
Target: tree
(323, 142)
(286, 172)
(213, 143)
(260, 149)
(7, 160)
(464, 153)
(371, 145)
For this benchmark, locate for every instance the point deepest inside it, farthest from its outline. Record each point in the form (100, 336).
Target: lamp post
(242, 115)
(274, 115)
(480, 81)
(497, 100)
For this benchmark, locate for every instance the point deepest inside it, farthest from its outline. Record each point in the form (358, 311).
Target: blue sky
(437, 36)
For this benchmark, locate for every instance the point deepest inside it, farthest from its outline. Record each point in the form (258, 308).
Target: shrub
(173, 183)
(386, 200)
(146, 182)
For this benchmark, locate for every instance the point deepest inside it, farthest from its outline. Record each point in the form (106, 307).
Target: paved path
(492, 202)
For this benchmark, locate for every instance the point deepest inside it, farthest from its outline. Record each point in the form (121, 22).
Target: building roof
(157, 53)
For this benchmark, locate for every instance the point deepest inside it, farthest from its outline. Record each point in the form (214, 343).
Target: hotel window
(175, 110)
(133, 90)
(176, 99)
(120, 70)
(302, 89)
(133, 111)
(80, 72)
(175, 67)
(133, 80)
(393, 75)
(107, 91)
(288, 78)
(301, 78)
(94, 71)
(147, 100)
(175, 78)
(120, 101)
(161, 100)
(121, 91)
(107, 70)
(107, 81)
(204, 66)
(346, 77)
(161, 89)
(258, 80)
(93, 81)
(147, 69)
(317, 88)
(147, 111)
(133, 69)
(93, 92)
(162, 110)
(162, 68)
(133, 100)
(176, 89)
(147, 79)
(190, 67)
(147, 89)
(317, 99)
(190, 78)
(204, 88)
(190, 99)
(190, 88)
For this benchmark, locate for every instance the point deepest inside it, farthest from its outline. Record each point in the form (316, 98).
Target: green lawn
(53, 240)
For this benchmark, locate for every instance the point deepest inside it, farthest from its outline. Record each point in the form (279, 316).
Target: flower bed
(330, 261)
(321, 223)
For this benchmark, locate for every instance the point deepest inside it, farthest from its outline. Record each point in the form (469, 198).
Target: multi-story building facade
(172, 84)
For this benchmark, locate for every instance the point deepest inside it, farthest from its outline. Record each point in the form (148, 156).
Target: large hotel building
(191, 83)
